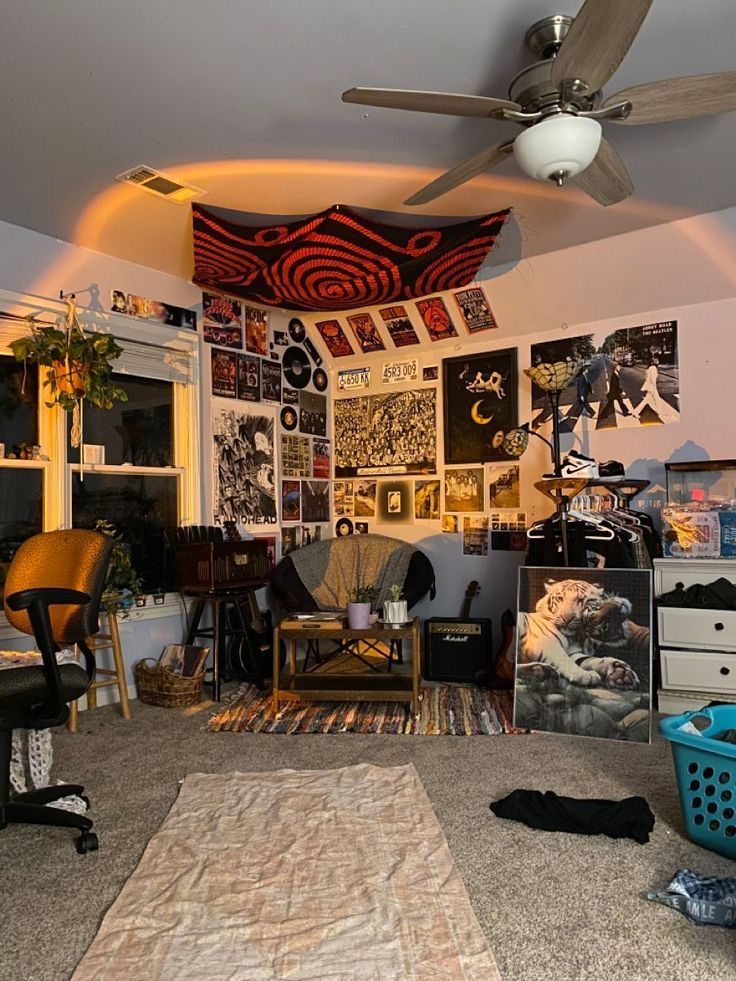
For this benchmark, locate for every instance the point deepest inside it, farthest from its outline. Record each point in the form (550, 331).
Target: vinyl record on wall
(319, 378)
(297, 330)
(289, 417)
(343, 527)
(296, 367)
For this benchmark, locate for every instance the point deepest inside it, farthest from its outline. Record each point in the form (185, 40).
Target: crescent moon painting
(477, 416)
(480, 405)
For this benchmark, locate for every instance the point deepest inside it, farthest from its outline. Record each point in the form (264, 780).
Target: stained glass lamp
(553, 378)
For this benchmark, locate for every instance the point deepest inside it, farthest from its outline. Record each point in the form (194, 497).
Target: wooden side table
(362, 687)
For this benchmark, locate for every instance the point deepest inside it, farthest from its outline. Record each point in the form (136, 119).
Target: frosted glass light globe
(562, 144)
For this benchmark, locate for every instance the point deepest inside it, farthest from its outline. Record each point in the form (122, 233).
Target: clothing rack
(562, 490)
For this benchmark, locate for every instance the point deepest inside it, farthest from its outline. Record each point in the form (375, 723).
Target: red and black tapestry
(338, 259)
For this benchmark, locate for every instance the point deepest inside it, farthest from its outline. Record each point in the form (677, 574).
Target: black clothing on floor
(628, 818)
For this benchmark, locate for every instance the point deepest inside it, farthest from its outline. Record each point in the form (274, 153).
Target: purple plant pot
(359, 615)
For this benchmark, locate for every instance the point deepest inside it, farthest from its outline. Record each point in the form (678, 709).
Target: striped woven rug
(446, 710)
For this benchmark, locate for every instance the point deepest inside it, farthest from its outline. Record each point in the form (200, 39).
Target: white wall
(40, 265)
(684, 271)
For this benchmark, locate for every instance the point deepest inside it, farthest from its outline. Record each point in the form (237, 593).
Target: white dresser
(697, 648)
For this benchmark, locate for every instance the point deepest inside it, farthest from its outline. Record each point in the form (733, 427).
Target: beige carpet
(305, 874)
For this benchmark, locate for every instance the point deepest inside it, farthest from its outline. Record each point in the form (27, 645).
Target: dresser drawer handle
(725, 671)
(719, 626)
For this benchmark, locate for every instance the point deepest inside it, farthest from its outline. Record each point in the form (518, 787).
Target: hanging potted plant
(123, 585)
(80, 365)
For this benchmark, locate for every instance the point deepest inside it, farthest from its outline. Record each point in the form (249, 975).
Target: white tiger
(572, 622)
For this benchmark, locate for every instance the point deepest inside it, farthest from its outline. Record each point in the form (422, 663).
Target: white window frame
(52, 423)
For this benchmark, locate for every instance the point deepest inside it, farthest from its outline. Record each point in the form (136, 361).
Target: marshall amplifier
(456, 649)
(223, 565)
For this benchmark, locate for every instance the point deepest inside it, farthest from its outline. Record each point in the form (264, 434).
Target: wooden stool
(115, 676)
(220, 602)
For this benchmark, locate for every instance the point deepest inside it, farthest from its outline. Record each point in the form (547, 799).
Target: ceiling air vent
(153, 181)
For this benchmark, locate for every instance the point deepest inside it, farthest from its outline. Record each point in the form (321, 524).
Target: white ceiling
(242, 97)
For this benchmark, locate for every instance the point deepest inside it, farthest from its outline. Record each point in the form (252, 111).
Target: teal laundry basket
(706, 777)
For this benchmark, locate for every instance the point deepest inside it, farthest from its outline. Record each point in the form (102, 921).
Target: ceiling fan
(558, 101)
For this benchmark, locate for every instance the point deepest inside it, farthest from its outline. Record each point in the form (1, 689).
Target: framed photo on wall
(395, 502)
(480, 405)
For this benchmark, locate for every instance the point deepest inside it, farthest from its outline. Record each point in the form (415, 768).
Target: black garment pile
(628, 818)
(718, 595)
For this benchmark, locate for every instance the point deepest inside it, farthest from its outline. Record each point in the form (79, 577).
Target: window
(140, 431)
(141, 507)
(150, 478)
(131, 488)
(21, 481)
(18, 404)
(21, 514)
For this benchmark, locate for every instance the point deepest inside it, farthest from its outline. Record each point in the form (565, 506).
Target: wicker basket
(159, 686)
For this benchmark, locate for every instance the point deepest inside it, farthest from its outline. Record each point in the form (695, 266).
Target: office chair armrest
(50, 596)
(37, 602)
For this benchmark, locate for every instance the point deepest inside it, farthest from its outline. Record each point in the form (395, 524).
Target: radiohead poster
(584, 652)
(480, 401)
(386, 434)
(243, 461)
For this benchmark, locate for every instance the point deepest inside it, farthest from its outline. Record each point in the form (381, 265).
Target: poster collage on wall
(386, 468)
(271, 454)
(473, 313)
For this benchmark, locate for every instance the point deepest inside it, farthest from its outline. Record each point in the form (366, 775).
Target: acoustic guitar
(502, 669)
(259, 636)
(470, 593)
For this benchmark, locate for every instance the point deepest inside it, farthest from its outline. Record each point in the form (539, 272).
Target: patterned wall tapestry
(338, 259)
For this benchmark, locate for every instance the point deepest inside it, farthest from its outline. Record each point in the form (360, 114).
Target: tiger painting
(572, 629)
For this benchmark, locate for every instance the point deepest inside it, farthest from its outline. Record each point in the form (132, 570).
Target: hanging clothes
(614, 538)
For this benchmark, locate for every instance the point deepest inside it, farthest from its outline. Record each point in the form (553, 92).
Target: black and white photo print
(244, 468)
(385, 434)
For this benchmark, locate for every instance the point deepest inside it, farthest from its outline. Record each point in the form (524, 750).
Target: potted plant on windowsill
(395, 609)
(80, 365)
(123, 584)
(359, 609)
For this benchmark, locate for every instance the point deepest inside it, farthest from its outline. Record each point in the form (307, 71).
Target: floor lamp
(552, 378)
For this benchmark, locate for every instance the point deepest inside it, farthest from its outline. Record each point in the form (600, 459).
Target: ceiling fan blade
(606, 180)
(686, 97)
(461, 173)
(446, 103)
(598, 40)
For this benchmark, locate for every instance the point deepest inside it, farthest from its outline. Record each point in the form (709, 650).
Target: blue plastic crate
(706, 777)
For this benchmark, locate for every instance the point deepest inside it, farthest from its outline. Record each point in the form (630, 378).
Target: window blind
(152, 361)
(143, 360)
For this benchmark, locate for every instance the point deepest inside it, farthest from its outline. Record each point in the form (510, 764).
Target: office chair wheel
(87, 842)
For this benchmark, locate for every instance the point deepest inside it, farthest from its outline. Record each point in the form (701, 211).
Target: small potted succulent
(395, 609)
(359, 609)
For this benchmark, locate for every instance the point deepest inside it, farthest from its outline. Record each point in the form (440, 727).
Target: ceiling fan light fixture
(558, 148)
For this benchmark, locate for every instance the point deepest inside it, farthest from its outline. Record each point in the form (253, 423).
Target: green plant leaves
(88, 357)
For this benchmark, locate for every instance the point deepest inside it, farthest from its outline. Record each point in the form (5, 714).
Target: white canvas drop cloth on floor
(340, 874)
